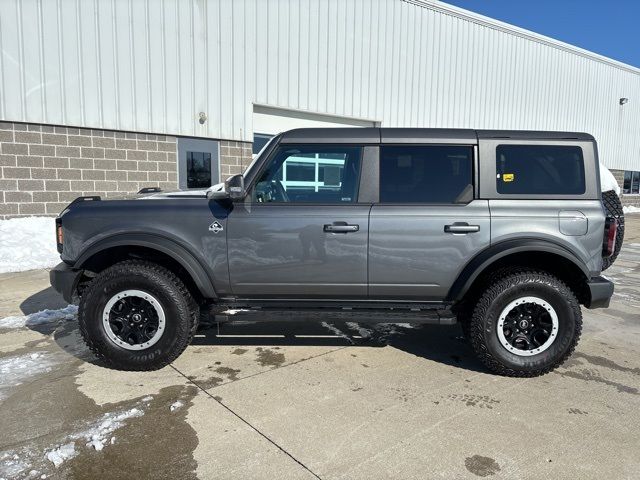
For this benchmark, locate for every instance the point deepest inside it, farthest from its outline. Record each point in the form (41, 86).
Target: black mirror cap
(234, 187)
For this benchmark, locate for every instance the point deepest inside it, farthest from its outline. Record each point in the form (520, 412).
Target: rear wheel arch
(539, 254)
(164, 251)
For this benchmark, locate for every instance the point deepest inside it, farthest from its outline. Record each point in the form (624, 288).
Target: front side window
(310, 174)
(437, 174)
(539, 170)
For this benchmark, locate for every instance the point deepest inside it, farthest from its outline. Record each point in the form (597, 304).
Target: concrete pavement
(306, 400)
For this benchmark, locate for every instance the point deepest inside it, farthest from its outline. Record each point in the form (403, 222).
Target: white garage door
(269, 121)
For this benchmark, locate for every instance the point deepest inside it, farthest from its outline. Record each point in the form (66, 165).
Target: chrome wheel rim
(527, 326)
(133, 320)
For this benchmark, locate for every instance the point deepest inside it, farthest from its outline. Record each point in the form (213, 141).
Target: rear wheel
(613, 208)
(137, 315)
(525, 324)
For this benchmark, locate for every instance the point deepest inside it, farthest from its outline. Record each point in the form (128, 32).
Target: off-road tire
(613, 208)
(180, 309)
(498, 294)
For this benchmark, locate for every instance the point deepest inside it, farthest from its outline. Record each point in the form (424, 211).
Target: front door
(427, 225)
(301, 232)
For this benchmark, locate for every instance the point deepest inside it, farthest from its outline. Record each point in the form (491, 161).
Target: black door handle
(340, 227)
(461, 227)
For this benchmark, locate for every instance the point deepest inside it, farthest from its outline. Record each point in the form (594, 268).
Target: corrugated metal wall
(153, 65)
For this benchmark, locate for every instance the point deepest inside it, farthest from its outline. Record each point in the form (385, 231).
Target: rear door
(427, 223)
(302, 233)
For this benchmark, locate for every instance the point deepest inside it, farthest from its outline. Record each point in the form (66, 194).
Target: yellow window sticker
(508, 177)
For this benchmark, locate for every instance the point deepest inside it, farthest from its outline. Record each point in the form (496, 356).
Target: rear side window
(539, 170)
(426, 174)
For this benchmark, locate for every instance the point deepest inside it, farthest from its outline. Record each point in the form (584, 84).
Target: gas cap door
(573, 223)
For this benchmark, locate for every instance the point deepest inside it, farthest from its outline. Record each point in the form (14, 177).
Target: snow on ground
(336, 331)
(98, 434)
(11, 465)
(630, 209)
(61, 454)
(176, 405)
(39, 318)
(362, 331)
(17, 369)
(27, 243)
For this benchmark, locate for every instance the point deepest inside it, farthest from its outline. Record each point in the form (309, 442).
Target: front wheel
(136, 315)
(525, 324)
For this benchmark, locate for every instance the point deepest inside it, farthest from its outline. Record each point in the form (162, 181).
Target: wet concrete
(303, 400)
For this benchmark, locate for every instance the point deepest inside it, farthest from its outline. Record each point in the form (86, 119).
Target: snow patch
(232, 311)
(11, 465)
(44, 316)
(27, 244)
(336, 331)
(608, 181)
(99, 433)
(61, 454)
(363, 332)
(630, 209)
(176, 405)
(17, 369)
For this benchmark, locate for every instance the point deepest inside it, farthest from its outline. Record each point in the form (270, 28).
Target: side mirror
(233, 189)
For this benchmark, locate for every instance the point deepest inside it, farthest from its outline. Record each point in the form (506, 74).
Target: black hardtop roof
(418, 135)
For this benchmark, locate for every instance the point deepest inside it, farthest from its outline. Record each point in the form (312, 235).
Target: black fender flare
(156, 242)
(478, 264)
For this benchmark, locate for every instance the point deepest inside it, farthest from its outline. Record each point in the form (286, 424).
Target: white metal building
(228, 70)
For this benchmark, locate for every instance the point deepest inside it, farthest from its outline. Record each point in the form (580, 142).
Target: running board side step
(429, 316)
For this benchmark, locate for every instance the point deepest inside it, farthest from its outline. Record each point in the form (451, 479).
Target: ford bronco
(504, 232)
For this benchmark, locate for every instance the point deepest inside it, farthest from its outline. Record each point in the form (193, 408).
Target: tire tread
(506, 279)
(149, 268)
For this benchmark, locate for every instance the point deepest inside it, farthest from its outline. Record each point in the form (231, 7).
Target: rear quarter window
(539, 170)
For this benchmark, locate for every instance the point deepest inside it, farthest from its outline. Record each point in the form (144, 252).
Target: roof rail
(91, 198)
(150, 190)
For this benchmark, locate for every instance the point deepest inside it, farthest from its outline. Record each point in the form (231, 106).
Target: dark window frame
(473, 173)
(499, 181)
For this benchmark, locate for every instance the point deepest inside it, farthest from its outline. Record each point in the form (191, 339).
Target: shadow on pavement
(443, 344)
(44, 299)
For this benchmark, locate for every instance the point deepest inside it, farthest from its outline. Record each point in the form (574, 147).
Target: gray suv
(503, 232)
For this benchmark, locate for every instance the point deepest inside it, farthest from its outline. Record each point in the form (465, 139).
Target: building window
(198, 170)
(198, 163)
(425, 174)
(259, 141)
(631, 183)
(539, 170)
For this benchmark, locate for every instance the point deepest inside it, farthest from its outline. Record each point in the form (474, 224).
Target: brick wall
(43, 168)
(234, 157)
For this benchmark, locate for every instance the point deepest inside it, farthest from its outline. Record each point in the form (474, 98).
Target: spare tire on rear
(613, 208)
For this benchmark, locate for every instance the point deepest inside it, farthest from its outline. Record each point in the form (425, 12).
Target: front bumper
(601, 291)
(64, 280)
